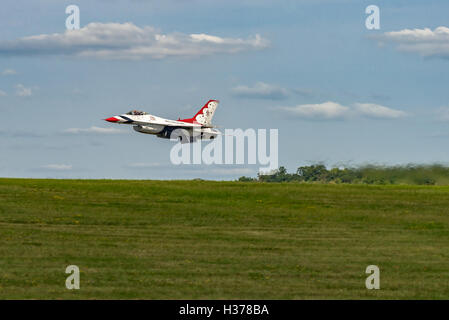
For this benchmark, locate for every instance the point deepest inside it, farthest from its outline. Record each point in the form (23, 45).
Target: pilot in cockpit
(136, 113)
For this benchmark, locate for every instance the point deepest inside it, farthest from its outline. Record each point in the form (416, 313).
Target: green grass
(221, 240)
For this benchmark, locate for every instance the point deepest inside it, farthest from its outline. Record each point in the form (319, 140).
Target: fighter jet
(184, 130)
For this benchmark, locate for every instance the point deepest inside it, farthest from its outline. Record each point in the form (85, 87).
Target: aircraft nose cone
(112, 119)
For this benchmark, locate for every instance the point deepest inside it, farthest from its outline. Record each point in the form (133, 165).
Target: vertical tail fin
(204, 116)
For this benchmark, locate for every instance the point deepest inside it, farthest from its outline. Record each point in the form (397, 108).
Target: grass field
(221, 240)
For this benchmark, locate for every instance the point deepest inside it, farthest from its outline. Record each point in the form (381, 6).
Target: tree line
(434, 174)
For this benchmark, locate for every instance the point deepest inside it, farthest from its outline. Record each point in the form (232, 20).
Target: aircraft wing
(168, 123)
(153, 120)
(148, 120)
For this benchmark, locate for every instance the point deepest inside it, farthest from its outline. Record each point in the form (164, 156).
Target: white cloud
(23, 91)
(426, 42)
(58, 167)
(327, 110)
(2, 93)
(372, 110)
(127, 41)
(332, 110)
(9, 72)
(94, 130)
(260, 91)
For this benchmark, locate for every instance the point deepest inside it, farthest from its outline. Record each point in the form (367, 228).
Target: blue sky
(337, 92)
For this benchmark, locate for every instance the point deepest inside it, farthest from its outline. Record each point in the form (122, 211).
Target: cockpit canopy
(136, 113)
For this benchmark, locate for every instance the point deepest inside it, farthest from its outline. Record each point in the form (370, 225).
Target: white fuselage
(187, 130)
(165, 128)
